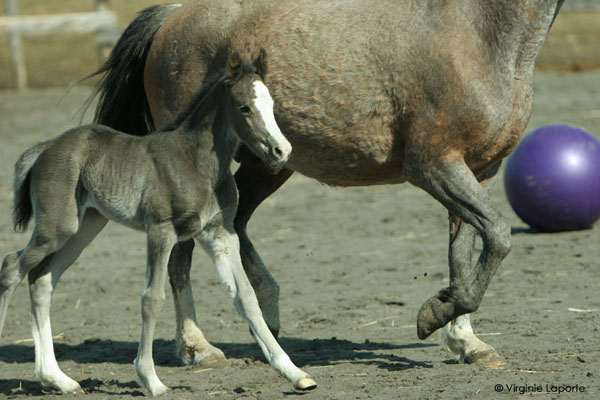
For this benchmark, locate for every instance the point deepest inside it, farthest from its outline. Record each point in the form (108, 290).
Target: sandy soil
(354, 267)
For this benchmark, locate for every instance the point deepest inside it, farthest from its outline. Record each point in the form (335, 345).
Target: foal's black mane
(218, 81)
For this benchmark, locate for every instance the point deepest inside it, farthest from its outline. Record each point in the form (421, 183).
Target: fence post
(102, 5)
(105, 40)
(17, 58)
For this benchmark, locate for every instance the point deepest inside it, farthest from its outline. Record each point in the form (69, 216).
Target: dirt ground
(354, 266)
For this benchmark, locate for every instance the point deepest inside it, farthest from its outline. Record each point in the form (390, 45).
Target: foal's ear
(235, 64)
(261, 63)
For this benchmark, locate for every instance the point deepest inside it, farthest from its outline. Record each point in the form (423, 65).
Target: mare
(175, 185)
(430, 92)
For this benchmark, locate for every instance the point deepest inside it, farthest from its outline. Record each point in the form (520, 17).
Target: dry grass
(573, 43)
(61, 59)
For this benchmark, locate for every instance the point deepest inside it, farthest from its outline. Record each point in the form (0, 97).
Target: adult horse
(435, 93)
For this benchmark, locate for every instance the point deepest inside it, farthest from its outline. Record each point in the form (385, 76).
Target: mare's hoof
(487, 358)
(432, 316)
(209, 357)
(305, 384)
(215, 359)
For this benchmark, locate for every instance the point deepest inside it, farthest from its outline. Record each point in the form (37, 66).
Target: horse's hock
(102, 21)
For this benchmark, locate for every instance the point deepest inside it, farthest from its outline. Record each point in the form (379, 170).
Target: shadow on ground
(304, 352)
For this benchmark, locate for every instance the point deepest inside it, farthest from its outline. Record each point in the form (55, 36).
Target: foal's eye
(245, 109)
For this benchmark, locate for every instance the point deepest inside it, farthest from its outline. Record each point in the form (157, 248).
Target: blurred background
(59, 59)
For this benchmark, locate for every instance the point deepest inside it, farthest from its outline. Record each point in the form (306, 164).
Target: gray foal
(174, 184)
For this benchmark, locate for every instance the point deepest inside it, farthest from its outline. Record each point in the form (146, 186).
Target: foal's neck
(205, 130)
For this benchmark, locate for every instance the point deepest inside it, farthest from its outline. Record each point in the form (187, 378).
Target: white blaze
(263, 102)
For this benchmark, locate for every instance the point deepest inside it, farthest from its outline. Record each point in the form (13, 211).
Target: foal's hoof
(487, 358)
(61, 382)
(158, 390)
(305, 384)
(73, 389)
(432, 316)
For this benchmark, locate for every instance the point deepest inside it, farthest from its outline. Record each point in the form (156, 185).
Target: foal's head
(252, 112)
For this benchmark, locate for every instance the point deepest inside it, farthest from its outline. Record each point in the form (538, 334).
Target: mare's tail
(123, 104)
(22, 208)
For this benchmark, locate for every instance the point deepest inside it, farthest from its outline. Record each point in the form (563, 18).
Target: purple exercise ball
(552, 179)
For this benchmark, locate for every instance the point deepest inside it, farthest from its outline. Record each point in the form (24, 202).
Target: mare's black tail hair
(123, 104)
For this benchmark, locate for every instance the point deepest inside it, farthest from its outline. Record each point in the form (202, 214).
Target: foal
(175, 185)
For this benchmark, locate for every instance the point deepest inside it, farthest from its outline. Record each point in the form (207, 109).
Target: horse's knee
(499, 238)
(47, 238)
(9, 273)
(152, 302)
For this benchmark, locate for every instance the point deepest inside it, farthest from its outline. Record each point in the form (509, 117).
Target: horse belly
(116, 195)
(119, 207)
(346, 160)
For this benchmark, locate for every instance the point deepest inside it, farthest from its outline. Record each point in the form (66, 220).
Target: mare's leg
(254, 184)
(160, 243)
(42, 281)
(223, 246)
(191, 345)
(458, 335)
(450, 181)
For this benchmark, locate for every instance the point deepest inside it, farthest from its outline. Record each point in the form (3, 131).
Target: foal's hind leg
(254, 185)
(16, 265)
(49, 235)
(451, 182)
(42, 281)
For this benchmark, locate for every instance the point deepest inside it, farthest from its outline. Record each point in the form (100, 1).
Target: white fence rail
(58, 23)
(14, 25)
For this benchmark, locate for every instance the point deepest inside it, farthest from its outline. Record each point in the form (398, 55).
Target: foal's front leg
(254, 184)
(191, 345)
(223, 247)
(160, 243)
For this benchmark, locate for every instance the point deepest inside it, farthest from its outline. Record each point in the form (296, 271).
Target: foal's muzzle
(276, 154)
